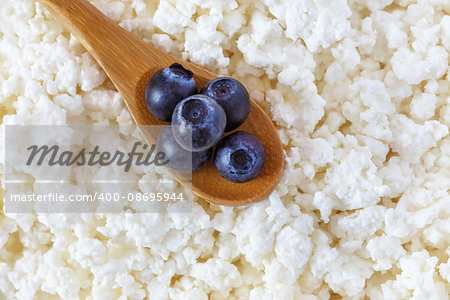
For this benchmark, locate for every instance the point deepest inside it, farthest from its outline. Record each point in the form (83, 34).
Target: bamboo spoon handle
(112, 46)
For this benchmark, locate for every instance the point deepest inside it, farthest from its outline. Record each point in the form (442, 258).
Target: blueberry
(166, 88)
(232, 96)
(179, 158)
(239, 157)
(199, 123)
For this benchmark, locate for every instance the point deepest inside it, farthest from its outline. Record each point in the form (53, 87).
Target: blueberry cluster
(200, 120)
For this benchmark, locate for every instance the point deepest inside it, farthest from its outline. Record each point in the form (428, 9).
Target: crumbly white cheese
(360, 94)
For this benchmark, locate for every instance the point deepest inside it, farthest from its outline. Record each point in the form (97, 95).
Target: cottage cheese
(360, 94)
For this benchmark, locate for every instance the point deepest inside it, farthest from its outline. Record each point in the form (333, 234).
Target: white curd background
(360, 95)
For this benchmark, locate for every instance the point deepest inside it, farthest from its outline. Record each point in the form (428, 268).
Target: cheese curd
(360, 94)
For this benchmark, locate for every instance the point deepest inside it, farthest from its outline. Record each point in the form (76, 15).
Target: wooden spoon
(130, 62)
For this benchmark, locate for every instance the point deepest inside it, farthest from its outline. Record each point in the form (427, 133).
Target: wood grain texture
(129, 63)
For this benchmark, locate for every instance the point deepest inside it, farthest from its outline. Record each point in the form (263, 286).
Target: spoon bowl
(130, 62)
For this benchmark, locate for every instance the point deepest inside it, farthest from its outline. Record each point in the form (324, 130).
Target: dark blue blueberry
(199, 123)
(179, 158)
(166, 88)
(232, 96)
(239, 157)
